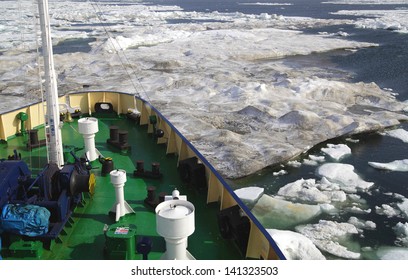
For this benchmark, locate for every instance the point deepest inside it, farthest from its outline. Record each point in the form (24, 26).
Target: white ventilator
(121, 207)
(88, 127)
(175, 222)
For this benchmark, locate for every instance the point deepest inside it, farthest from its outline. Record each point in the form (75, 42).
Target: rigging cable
(41, 110)
(26, 61)
(99, 12)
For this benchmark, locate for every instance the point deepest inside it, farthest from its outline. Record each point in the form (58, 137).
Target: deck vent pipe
(88, 127)
(121, 207)
(175, 222)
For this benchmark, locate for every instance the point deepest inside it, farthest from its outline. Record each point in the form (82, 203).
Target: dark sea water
(303, 8)
(386, 65)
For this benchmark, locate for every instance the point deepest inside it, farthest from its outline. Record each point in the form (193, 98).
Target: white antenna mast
(54, 147)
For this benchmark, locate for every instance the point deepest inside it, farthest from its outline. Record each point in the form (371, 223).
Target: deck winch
(54, 191)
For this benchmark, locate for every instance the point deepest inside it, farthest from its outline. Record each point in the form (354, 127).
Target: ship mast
(54, 140)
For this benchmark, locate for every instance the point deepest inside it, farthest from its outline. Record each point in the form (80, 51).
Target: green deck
(83, 236)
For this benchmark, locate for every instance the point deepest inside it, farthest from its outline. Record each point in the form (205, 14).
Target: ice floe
(395, 20)
(387, 210)
(403, 207)
(280, 214)
(344, 175)
(295, 246)
(396, 165)
(361, 224)
(249, 194)
(392, 253)
(401, 231)
(307, 191)
(399, 133)
(338, 151)
(365, 2)
(331, 237)
(264, 4)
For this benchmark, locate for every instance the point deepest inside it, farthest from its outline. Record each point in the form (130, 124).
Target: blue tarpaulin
(30, 220)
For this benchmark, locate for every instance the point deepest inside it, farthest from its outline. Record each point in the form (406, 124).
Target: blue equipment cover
(30, 220)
